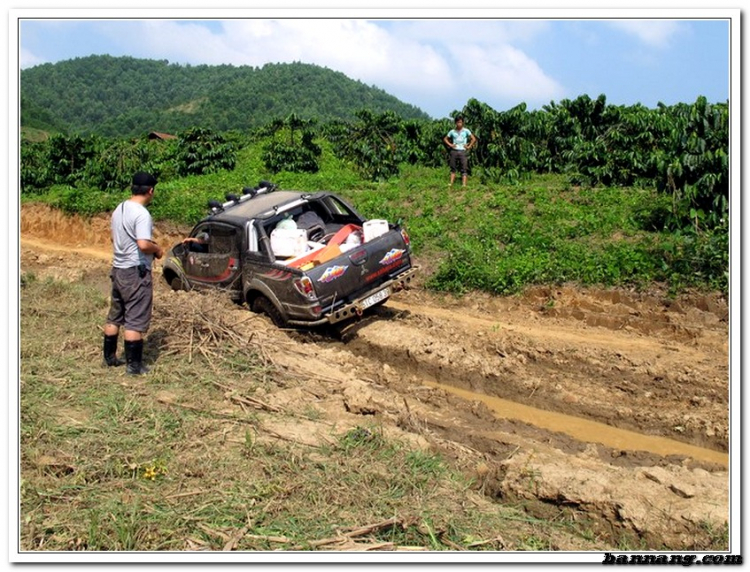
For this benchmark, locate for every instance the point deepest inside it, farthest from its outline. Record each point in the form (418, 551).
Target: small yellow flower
(149, 473)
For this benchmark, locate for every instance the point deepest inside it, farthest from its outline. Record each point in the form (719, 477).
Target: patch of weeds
(362, 438)
(531, 475)
(424, 468)
(153, 470)
(717, 537)
(533, 543)
(628, 541)
(27, 278)
(312, 413)
(115, 526)
(248, 446)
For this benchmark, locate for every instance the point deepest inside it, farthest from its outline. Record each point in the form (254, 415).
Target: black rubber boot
(110, 351)
(134, 357)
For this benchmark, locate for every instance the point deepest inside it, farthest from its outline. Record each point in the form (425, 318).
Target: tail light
(405, 236)
(305, 287)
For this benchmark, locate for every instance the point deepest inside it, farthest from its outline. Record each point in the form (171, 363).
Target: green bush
(84, 201)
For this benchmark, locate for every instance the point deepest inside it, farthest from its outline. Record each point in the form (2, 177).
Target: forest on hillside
(127, 97)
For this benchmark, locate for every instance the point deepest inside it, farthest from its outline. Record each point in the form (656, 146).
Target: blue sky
(434, 60)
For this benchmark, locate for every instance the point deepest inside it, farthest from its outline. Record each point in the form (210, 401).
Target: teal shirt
(460, 138)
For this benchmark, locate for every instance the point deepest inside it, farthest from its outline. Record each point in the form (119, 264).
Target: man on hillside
(460, 140)
(132, 288)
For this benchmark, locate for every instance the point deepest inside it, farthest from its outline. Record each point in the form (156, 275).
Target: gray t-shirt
(130, 222)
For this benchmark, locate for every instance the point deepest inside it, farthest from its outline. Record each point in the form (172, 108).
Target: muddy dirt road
(612, 402)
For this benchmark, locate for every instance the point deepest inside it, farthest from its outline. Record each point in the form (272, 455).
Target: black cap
(142, 179)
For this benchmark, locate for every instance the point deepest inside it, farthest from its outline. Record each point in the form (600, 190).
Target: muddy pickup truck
(304, 259)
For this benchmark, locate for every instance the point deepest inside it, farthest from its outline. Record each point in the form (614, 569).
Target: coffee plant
(286, 152)
(201, 151)
(372, 144)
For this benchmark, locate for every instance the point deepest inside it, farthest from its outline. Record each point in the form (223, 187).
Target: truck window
(340, 212)
(223, 240)
(336, 207)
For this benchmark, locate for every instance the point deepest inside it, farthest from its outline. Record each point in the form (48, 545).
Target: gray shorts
(459, 161)
(132, 299)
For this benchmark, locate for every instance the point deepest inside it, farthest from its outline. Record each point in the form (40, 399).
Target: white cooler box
(287, 242)
(374, 228)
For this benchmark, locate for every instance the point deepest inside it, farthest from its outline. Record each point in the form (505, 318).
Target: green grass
(504, 238)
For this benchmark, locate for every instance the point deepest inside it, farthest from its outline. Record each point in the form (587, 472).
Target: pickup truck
(334, 273)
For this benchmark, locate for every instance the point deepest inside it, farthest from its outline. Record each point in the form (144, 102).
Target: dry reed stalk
(347, 537)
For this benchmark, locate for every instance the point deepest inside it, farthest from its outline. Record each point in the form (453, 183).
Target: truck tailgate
(360, 269)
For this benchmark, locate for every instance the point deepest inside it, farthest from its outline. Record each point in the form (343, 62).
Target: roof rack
(248, 193)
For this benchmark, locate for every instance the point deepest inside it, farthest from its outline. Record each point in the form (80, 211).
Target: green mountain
(125, 96)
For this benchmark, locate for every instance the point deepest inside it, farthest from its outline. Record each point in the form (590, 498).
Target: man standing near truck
(132, 287)
(459, 140)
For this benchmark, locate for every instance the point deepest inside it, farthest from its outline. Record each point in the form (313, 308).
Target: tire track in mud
(97, 253)
(615, 384)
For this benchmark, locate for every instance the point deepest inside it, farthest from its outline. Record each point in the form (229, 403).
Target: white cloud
(360, 49)
(27, 59)
(411, 59)
(475, 31)
(504, 72)
(183, 43)
(655, 33)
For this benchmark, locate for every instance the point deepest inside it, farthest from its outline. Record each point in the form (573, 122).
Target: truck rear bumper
(357, 307)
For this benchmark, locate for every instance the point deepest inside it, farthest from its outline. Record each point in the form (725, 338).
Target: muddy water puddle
(442, 348)
(585, 430)
(579, 428)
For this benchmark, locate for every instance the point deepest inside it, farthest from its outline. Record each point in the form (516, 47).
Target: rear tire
(262, 305)
(177, 283)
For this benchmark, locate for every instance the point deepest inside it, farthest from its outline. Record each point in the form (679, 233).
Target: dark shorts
(132, 299)
(460, 160)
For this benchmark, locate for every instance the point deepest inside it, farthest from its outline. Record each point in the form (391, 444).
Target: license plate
(375, 298)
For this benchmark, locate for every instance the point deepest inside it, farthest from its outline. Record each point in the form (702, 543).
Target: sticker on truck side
(392, 256)
(278, 275)
(331, 273)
